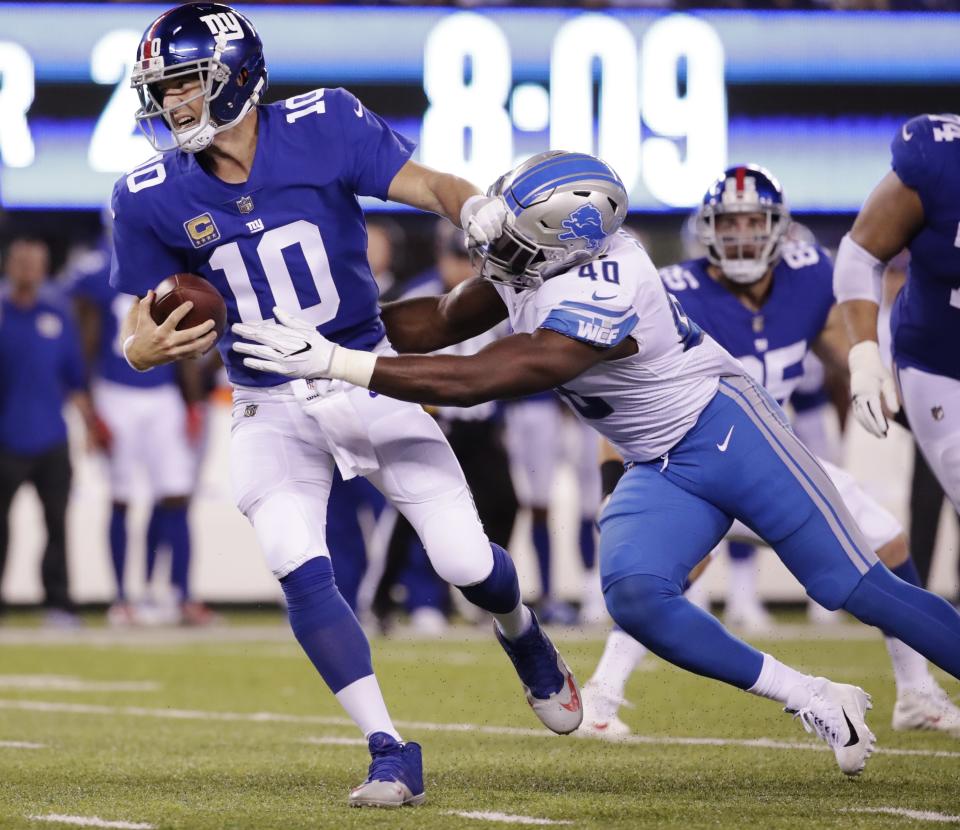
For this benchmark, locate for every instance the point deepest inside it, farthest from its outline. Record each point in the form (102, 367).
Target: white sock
(514, 623)
(364, 704)
(776, 680)
(621, 655)
(742, 582)
(910, 669)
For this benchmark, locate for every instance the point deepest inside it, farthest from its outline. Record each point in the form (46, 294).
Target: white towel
(329, 404)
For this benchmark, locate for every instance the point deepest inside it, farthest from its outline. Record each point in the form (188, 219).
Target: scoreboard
(668, 99)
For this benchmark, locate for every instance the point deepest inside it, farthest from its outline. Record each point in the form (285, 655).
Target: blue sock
(178, 537)
(154, 540)
(324, 625)
(927, 623)
(907, 571)
(541, 544)
(588, 544)
(118, 546)
(499, 593)
(653, 611)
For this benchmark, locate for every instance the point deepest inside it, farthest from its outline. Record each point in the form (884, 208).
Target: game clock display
(668, 99)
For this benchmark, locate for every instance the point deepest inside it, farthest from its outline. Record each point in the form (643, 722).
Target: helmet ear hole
(242, 77)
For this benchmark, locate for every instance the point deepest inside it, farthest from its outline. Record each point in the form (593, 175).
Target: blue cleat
(550, 686)
(395, 776)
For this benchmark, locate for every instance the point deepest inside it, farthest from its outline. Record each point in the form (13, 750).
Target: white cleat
(601, 715)
(929, 708)
(836, 712)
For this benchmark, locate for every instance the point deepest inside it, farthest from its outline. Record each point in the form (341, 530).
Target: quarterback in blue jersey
(914, 206)
(705, 444)
(261, 200)
(768, 300)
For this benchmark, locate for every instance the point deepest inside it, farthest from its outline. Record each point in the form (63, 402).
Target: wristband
(353, 366)
(126, 345)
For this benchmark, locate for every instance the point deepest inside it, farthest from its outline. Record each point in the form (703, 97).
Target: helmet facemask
(213, 75)
(743, 256)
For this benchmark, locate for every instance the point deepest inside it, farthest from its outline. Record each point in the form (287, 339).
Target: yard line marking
(21, 745)
(333, 740)
(94, 821)
(919, 815)
(506, 818)
(62, 683)
(429, 726)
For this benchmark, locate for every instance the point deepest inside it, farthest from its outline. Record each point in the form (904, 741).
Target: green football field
(231, 728)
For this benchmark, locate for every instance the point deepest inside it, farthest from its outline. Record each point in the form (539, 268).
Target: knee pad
(289, 532)
(456, 544)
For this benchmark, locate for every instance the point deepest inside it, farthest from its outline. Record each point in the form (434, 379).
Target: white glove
(483, 218)
(871, 383)
(295, 349)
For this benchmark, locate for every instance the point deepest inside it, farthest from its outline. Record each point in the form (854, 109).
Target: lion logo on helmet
(586, 222)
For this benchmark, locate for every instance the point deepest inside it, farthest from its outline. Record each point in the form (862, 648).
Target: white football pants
(282, 469)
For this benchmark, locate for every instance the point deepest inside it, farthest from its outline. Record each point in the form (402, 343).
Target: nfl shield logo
(245, 204)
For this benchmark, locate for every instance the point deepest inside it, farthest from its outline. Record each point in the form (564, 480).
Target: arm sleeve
(585, 309)
(140, 260)
(374, 151)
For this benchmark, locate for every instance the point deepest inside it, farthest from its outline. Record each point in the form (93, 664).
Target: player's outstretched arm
(425, 324)
(145, 344)
(522, 364)
(888, 220)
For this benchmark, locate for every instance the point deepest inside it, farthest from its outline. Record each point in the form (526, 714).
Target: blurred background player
(539, 442)
(41, 369)
(768, 301)
(475, 434)
(152, 431)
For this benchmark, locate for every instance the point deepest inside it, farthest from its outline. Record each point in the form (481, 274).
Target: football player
(148, 422)
(912, 207)
(768, 300)
(261, 200)
(705, 444)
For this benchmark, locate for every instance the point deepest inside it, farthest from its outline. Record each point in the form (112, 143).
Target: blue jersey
(925, 320)
(91, 282)
(771, 343)
(40, 364)
(292, 235)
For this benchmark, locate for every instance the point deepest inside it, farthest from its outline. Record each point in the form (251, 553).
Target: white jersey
(643, 404)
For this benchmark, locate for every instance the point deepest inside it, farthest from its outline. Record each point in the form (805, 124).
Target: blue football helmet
(564, 206)
(743, 254)
(214, 43)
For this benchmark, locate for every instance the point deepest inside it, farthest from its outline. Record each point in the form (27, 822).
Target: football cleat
(550, 686)
(929, 708)
(836, 712)
(601, 715)
(395, 777)
(749, 616)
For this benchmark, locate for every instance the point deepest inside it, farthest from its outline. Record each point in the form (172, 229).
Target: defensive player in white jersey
(768, 300)
(261, 200)
(705, 444)
(914, 206)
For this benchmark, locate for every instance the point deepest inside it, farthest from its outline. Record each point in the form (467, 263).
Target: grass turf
(159, 764)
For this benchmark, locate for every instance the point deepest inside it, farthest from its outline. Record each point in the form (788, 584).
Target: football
(207, 302)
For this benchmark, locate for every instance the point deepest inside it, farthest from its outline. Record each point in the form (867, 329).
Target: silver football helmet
(565, 207)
